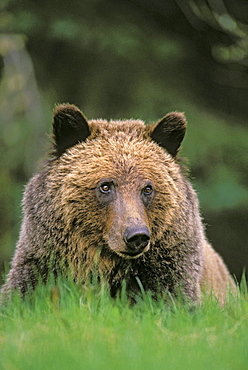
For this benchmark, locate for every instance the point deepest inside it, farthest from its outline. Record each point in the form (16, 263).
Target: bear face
(107, 181)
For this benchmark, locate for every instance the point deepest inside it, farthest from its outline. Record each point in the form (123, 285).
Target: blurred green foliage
(137, 59)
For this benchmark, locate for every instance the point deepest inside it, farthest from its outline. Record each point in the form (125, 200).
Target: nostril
(145, 238)
(138, 239)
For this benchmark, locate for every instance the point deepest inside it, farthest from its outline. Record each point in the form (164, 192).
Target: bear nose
(136, 239)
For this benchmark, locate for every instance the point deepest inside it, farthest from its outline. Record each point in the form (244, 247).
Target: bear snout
(137, 239)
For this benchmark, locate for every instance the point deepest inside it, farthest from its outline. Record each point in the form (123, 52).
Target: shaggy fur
(107, 181)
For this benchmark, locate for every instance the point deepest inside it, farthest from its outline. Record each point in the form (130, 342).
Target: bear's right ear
(69, 127)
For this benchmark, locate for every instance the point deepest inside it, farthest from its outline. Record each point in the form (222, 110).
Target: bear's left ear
(69, 127)
(170, 131)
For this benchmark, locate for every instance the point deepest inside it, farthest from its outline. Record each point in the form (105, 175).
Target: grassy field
(59, 328)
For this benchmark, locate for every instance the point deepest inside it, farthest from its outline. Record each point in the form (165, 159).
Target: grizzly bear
(114, 198)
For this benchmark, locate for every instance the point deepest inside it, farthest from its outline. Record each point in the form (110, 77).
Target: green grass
(71, 330)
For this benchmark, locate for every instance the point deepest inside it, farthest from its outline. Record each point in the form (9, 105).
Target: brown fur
(72, 224)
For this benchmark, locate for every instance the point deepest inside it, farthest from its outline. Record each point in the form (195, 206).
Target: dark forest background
(132, 58)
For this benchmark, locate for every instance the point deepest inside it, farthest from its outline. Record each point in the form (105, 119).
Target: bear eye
(105, 188)
(147, 190)
(105, 191)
